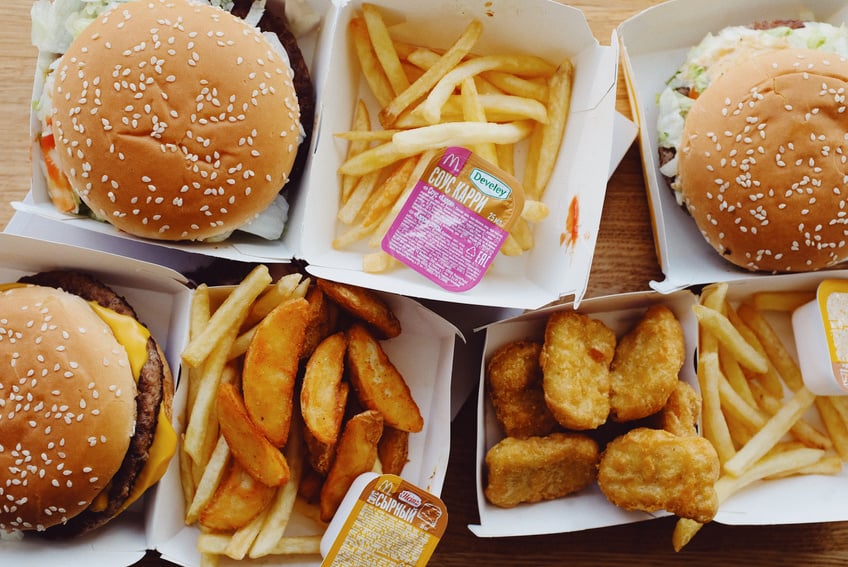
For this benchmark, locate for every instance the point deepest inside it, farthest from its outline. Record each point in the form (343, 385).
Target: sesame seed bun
(69, 413)
(762, 163)
(175, 121)
(76, 426)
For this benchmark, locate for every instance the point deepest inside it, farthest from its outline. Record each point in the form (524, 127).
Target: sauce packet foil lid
(456, 219)
(384, 520)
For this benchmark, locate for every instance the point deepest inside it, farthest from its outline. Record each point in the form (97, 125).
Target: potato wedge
(356, 454)
(247, 443)
(323, 315)
(364, 304)
(323, 395)
(238, 499)
(393, 450)
(270, 369)
(377, 382)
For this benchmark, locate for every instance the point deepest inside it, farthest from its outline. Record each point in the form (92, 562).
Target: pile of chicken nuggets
(585, 406)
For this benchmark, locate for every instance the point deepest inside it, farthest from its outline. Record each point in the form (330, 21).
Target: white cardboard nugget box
(588, 508)
(654, 43)
(792, 500)
(546, 28)
(161, 298)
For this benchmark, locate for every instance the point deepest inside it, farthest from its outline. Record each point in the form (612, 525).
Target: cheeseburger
(175, 120)
(85, 401)
(751, 138)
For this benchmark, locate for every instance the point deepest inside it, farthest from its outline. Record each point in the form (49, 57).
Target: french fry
(506, 157)
(208, 483)
(517, 86)
(375, 158)
(769, 466)
(720, 326)
(379, 262)
(535, 211)
(279, 513)
(715, 425)
(247, 443)
(768, 436)
(772, 346)
(786, 301)
(363, 190)
(559, 103)
(460, 48)
(384, 48)
(472, 111)
(229, 313)
(835, 426)
(361, 124)
(417, 140)
(523, 65)
(802, 431)
(286, 288)
(377, 81)
(382, 201)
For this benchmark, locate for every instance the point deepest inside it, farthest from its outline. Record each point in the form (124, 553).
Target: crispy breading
(681, 412)
(646, 365)
(575, 363)
(514, 381)
(378, 384)
(539, 468)
(364, 304)
(652, 470)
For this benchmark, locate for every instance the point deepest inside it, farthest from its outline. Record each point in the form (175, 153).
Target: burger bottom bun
(762, 163)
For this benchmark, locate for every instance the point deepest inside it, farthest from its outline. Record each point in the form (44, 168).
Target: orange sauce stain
(572, 224)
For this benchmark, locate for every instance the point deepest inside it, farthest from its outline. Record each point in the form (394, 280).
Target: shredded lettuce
(716, 53)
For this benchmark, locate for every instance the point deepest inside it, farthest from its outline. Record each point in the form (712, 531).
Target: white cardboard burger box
(542, 27)
(793, 500)
(423, 353)
(654, 43)
(161, 298)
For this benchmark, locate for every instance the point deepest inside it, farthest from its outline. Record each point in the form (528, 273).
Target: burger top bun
(67, 406)
(762, 162)
(175, 121)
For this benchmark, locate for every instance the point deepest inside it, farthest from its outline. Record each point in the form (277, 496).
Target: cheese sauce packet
(386, 521)
(456, 219)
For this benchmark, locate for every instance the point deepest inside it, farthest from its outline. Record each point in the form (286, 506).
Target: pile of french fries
(762, 420)
(270, 427)
(429, 99)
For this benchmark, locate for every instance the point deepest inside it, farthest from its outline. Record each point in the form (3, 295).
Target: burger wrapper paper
(558, 265)
(653, 44)
(161, 298)
(793, 500)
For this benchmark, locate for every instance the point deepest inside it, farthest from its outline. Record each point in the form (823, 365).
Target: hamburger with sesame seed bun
(176, 120)
(85, 405)
(761, 165)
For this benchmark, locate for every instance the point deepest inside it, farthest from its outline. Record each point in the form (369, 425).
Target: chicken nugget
(364, 304)
(681, 412)
(575, 363)
(514, 379)
(652, 470)
(539, 468)
(646, 365)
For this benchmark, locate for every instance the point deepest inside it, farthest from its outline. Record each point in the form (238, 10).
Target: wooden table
(625, 261)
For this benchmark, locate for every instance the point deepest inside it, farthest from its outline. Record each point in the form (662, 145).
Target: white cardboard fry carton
(560, 261)
(161, 299)
(588, 508)
(423, 353)
(652, 50)
(544, 28)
